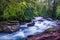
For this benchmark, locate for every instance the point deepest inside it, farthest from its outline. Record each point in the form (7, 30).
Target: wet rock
(30, 24)
(58, 22)
(13, 22)
(22, 23)
(6, 27)
(40, 20)
(31, 37)
(44, 37)
(9, 29)
(58, 38)
(49, 19)
(49, 34)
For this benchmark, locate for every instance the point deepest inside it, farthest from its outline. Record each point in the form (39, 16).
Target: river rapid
(40, 25)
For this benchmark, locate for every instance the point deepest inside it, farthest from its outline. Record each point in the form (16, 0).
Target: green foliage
(22, 9)
(58, 12)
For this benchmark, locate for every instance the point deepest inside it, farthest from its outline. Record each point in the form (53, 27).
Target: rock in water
(30, 24)
(9, 27)
(33, 30)
(49, 34)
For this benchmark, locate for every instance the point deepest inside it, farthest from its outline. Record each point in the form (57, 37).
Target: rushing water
(41, 24)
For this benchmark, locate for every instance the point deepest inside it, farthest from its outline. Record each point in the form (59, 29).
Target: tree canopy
(24, 9)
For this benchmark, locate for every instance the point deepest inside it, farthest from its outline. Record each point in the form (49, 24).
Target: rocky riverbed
(49, 34)
(38, 29)
(9, 27)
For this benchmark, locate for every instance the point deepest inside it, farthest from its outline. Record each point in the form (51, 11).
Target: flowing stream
(40, 25)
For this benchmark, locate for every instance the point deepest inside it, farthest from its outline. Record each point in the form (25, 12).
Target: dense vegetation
(26, 9)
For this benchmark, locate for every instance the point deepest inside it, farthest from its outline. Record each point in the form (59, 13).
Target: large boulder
(9, 27)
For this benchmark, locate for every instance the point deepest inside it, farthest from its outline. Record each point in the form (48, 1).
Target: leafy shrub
(58, 12)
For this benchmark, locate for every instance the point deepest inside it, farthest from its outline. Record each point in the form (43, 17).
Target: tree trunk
(54, 8)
